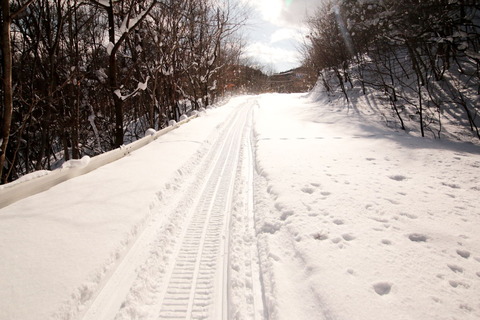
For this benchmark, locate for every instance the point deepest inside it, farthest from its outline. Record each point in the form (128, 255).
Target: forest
(421, 57)
(83, 77)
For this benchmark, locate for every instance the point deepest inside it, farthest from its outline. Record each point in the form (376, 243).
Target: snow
(143, 85)
(101, 75)
(25, 178)
(150, 132)
(128, 23)
(110, 47)
(77, 163)
(331, 215)
(119, 94)
(372, 222)
(104, 3)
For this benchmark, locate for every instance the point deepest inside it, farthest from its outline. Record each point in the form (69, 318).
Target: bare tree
(7, 18)
(132, 15)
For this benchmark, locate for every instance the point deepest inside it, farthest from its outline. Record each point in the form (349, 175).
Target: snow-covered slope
(362, 222)
(273, 206)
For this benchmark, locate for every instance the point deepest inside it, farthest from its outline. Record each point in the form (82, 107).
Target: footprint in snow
(456, 284)
(455, 268)
(463, 253)
(382, 288)
(308, 190)
(417, 237)
(465, 307)
(286, 214)
(398, 177)
(336, 240)
(338, 222)
(408, 215)
(320, 236)
(381, 220)
(451, 185)
(348, 237)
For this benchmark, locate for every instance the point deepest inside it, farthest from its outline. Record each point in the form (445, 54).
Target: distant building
(296, 80)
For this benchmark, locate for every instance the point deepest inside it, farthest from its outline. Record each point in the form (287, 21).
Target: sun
(270, 9)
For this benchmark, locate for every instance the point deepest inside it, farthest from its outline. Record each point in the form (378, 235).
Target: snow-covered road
(269, 207)
(187, 272)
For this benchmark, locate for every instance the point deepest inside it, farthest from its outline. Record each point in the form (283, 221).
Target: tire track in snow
(191, 280)
(187, 273)
(142, 267)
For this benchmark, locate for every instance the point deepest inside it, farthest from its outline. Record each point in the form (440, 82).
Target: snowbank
(38, 182)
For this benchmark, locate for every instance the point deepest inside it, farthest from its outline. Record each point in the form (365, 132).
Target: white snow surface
(317, 213)
(77, 163)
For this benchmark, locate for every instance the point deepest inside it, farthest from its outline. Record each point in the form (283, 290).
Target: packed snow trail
(187, 276)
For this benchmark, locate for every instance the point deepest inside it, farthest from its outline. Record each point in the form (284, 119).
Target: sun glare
(271, 9)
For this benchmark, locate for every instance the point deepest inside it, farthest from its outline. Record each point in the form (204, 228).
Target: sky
(274, 32)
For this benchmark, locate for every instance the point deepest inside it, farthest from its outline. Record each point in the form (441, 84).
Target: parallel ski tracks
(191, 281)
(196, 285)
(191, 270)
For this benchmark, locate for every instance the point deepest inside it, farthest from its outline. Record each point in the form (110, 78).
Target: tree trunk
(112, 77)
(7, 83)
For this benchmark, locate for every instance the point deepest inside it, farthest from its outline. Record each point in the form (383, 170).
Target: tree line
(79, 77)
(423, 56)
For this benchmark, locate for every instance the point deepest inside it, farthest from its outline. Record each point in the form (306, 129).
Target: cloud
(286, 34)
(268, 54)
(295, 12)
(276, 30)
(284, 13)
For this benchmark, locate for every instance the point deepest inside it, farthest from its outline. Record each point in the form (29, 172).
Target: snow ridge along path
(199, 260)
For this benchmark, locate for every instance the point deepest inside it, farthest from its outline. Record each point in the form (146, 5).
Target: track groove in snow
(188, 273)
(190, 289)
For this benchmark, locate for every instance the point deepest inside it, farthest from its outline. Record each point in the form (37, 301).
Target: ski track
(201, 262)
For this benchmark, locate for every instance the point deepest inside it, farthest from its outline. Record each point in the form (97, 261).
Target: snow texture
(331, 215)
(77, 163)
